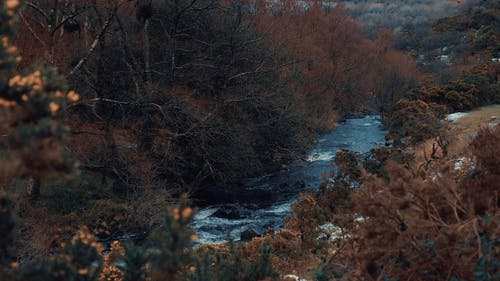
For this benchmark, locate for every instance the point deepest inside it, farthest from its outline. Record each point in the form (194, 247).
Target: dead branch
(94, 44)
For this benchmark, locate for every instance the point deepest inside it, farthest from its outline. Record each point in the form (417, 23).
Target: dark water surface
(263, 202)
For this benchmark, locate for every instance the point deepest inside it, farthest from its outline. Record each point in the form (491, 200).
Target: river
(261, 203)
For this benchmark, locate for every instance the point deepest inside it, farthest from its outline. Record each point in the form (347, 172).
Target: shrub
(29, 103)
(79, 260)
(233, 266)
(166, 255)
(378, 158)
(416, 119)
(437, 225)
(456, 96)
(418, 115)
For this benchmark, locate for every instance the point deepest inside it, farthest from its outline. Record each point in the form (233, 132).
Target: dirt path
(472, 121)
(461, 128)
(465, 127)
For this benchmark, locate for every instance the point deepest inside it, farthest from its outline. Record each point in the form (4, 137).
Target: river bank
(262, 203)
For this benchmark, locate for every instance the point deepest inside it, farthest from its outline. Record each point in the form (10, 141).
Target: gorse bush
(166, 255)
(419, 115)
(232, 265)
(174, 96)
(29, 104)
(469, 40)
(79, 260)
(31, 147)
(416, 119)
(437, 223)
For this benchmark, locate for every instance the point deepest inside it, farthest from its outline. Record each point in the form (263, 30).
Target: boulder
(231, 212)
(248, 234)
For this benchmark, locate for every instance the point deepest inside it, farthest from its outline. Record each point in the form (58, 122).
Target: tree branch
(94, 44)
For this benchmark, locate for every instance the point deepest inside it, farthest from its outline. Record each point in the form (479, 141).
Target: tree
(186, 77)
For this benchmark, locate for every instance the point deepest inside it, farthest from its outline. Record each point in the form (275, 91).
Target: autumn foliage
(418, 114)
(162, 85)
(336, 69)
(419, 221)
(173, 97)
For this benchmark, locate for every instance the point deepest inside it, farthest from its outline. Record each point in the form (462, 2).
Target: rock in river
(232, 212)
(248, 234)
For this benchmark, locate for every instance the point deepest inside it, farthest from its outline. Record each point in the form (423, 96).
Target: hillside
(465, 126)
(401, 16)
(132, 132)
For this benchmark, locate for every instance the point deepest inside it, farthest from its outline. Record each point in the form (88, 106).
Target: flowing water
(260, 203)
